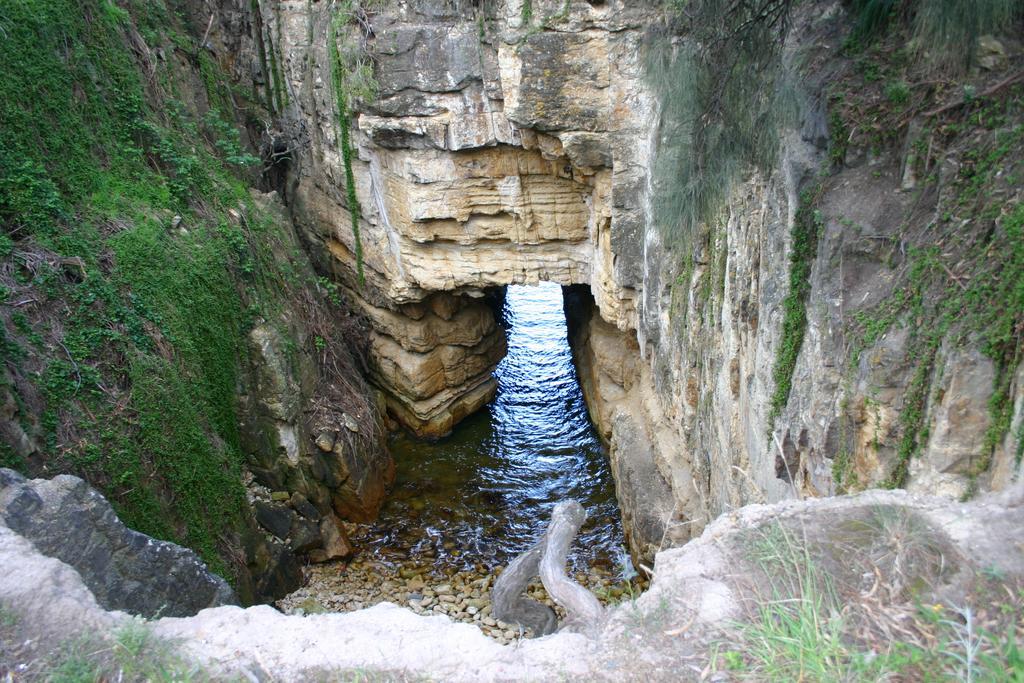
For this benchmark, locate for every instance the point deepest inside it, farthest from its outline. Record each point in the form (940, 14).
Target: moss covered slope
(133, 263)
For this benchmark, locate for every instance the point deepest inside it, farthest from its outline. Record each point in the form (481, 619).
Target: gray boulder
(67, 519)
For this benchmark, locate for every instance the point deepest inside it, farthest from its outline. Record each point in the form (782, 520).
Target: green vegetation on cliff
(943, 33)
(132, 263)
(723, 98)
(925, 92)
(958, 255)
(803, 250)
(351, 81)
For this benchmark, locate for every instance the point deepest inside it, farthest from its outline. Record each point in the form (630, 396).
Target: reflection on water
(484, 494)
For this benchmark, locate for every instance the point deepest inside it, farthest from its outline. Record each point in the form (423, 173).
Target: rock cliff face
(512, 144)
(311, 432)
(494, 153)
(469, 181)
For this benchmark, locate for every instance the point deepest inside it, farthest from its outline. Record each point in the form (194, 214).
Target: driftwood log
(547, 558)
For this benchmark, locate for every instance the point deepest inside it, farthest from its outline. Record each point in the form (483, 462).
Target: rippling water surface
(484, 494)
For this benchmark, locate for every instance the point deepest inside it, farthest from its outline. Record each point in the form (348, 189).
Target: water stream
(484, 494)
(467, 504)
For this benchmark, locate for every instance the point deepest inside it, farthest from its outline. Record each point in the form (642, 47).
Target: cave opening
(468, 503)
(482, 494)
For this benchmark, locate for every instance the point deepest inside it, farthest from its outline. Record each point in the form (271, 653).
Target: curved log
(547, 558)
(508, 602)
(583, 611)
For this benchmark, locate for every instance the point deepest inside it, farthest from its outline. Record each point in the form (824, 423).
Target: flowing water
(484, 494)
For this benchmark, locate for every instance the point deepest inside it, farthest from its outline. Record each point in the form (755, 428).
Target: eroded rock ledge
(697, 590)
(125, 570)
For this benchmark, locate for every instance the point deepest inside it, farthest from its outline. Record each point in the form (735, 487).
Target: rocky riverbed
(428, 586)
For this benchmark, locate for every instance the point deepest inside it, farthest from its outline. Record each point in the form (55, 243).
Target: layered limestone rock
(434, 360)
(493, 154)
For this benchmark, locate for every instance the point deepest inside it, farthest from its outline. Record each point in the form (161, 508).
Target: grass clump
(897, 92)
(852, 599)
(131, 653)
(797, 633)
(945, 33)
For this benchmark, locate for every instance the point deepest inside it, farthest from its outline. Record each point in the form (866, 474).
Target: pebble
(406, 577)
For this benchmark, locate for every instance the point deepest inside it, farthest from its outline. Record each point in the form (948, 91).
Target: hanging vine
(261, 48)
(351, 80)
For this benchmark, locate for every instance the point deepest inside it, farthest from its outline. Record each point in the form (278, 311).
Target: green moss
(806, 226)
(912, 418)
(279, 82)
(275, 75)
(140, 394)
(842, 471)
(10, 459)
(839, 137)
(69, 101)
(202, 478)
(1019, 454)
(526, 13)
(1003, 332)
(261, 51)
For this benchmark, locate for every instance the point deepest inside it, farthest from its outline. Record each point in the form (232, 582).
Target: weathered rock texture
(468, 181)
(67, 519)
(298, 433)
(496, 153)
(311, 432)
(696, 590)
